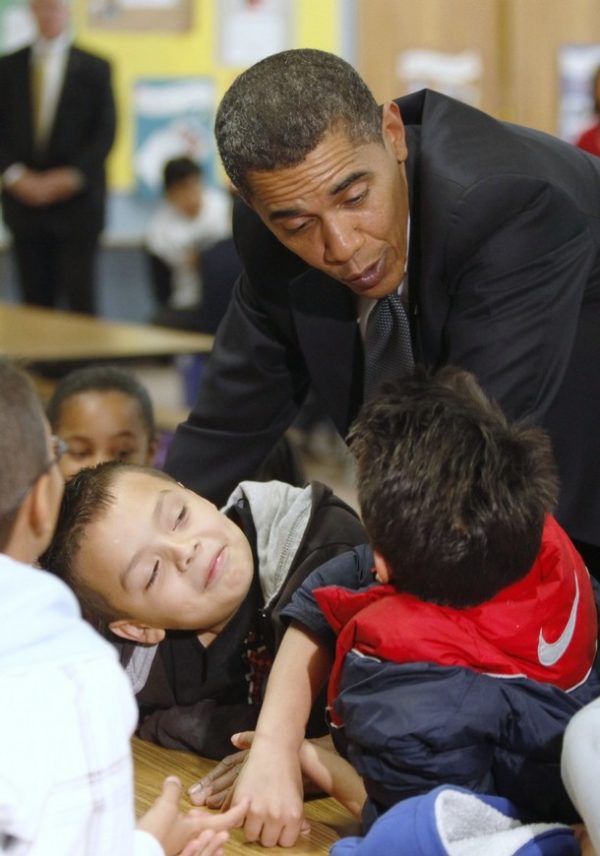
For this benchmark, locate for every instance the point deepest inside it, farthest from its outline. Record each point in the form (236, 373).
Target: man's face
(51, 17)
(165, 557)
(344, 209)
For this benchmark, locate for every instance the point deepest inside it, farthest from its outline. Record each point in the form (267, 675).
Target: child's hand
(213, 788)
(196, 833)
(584, 840)
(270, 784)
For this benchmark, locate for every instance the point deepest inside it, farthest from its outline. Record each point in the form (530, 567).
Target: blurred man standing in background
(57, 126)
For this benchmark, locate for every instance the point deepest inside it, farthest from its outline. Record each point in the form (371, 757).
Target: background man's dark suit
(504, 280)
(81, 137)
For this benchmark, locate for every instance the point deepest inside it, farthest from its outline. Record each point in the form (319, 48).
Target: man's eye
(296, 229)
(358, 198)
(77, 454)
(152, 576)
(180, 517)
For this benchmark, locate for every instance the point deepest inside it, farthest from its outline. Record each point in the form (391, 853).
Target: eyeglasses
(59, 448)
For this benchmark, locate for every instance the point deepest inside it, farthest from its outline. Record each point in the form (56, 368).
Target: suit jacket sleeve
(518, 279)
(99, 134)
(255, 380)
(9, 147)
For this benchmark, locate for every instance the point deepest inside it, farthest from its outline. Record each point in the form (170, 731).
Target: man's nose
(340, 241)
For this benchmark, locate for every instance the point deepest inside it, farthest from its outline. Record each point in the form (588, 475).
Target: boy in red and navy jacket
(464, 638)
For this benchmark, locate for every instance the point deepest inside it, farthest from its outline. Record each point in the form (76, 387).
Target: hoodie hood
(281, 514)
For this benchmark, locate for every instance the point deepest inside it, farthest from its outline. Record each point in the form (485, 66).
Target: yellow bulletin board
(140, 15)
(193, 51)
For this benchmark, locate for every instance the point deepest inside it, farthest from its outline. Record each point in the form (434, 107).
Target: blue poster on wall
(173, 117)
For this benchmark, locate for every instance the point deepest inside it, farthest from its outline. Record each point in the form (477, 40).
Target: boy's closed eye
(153, 576)
(180, 517)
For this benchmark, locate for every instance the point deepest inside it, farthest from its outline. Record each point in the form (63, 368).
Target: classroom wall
(519, 42)
(316, 23)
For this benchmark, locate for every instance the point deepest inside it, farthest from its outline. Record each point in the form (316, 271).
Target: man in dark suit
(57, 125)
(489, 233)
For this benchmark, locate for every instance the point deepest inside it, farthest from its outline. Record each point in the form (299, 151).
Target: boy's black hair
(452, 495)
(179, 169)
(88, 495)
(103, 378)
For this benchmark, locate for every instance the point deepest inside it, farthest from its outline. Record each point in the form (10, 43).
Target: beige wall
(518, 41)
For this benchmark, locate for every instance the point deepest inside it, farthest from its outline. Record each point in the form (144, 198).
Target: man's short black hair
(179, 169)
(278, 111)
(452, 495)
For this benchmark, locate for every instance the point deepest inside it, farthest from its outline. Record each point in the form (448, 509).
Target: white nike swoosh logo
(550, 653)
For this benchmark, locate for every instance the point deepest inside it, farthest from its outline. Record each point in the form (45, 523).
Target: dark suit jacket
(81, 137)
(504, 280)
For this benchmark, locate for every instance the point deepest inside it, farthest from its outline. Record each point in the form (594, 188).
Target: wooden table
(33, 334)
(329, 820)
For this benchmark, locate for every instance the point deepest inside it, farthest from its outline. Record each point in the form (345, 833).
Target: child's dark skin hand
(213, 788)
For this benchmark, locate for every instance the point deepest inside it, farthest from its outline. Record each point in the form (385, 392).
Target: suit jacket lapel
(429, 211)
(64, 98)
(329, 338)
(25, 106)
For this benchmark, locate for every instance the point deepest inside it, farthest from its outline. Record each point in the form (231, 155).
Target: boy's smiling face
(165, 557)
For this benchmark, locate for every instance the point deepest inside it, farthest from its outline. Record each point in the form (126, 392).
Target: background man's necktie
(388, 348)
(40, 113)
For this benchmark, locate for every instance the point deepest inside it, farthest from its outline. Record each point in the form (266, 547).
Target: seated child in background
(464, 659)
(147, 556)
(103, 413)
(67, 716)
(191, 218)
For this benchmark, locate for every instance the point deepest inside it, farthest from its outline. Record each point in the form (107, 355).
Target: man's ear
(393, 131)
(382, 567)
(140, 633)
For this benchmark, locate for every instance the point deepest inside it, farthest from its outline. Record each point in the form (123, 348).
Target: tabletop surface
(32, 333)
(329, 820)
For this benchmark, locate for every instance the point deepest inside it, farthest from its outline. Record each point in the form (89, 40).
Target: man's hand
(61, 183)
(38, 189)
(191, 834)
(213, 789)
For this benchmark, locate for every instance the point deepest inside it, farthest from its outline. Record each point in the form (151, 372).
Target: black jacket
(81, 137)
(504, 280)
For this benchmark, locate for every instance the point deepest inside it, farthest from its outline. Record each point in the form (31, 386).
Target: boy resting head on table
(459, 645)
(193, 595)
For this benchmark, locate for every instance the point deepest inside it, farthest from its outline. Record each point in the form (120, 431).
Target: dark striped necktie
(388, 348)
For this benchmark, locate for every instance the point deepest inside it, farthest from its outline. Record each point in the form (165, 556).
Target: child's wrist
(277, 741)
